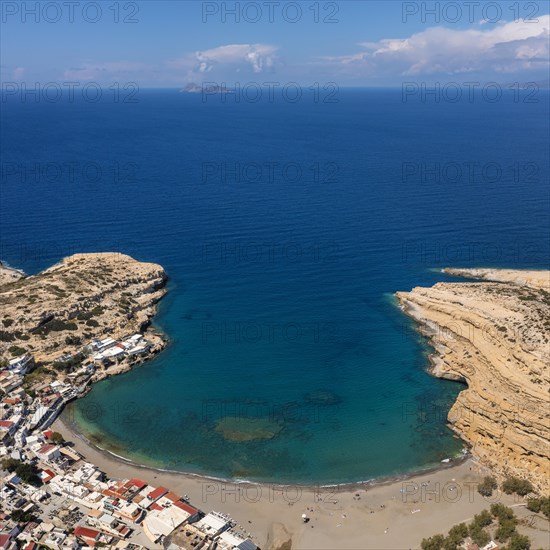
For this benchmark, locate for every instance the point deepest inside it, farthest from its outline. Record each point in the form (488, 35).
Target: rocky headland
(494, 335)
(84, 297)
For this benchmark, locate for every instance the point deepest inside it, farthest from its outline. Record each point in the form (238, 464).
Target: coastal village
(86, 319)
(51, 497)
(83, 320)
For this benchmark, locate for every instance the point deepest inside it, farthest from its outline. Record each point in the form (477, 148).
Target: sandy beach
(390, 515)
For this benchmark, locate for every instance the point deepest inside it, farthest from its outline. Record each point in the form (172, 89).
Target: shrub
(56, 438)
(519, 542)
(84, 315)
(450, 544)
(21, 517)
(458, 533)
(7, 322)
(502, 512)
(17, 351)
(433, 543)
(56, 325)
(539, 505)
(483, 519)
(27, 472)
(516, 485)
(479, 535)
(506, 529)
(487, 486)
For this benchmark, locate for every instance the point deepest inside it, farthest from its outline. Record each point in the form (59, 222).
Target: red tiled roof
(11, 400)
(86, 532)
(46, 475)
(157, 493)
(4, 539)
(138, 482)
(186, 508)
(155, 506)
(46, 448)
(6, 423)
(172, 496)
(30, 546)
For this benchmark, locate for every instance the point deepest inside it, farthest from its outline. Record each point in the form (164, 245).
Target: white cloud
(255, 57)
(506, 48)
(222, 62)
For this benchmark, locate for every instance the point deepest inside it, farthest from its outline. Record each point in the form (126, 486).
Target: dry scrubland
(85, 296)
(493, 335)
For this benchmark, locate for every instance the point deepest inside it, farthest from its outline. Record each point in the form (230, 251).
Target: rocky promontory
(494, 335)
(84, 297)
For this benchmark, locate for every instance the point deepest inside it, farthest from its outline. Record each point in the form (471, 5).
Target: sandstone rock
(495, 336)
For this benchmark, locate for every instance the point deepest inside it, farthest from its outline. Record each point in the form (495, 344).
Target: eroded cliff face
(85, 296)
(495, 336)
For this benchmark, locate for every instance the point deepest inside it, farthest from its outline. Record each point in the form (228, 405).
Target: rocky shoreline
(493, 336)
(465, 322)
(56, 313)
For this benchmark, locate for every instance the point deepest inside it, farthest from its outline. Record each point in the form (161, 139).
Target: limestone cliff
(495, 336)
(85, 296)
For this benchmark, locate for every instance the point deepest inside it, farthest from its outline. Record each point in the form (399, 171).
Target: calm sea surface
(285, 229)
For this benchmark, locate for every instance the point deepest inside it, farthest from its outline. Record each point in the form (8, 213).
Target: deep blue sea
(285, 229)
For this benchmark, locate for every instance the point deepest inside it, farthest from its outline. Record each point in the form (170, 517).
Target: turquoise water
(289, 360)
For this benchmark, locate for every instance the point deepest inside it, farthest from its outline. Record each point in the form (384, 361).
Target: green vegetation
(22, 517)
(487, 486)
(519, 542)
(506, 529)
(36, 375)
(27, 472)
(7, 322)
(17, 351)
(56, 325)
(84, 315)
(505, 532)
(483, 519)
(433, 543)
(6, 336)
(479, 535)
(56, 438)
(69, 364)
(517, 485)
(502, 512)
(539, 505)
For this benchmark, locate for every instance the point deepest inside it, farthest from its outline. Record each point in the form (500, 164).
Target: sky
(350, 42)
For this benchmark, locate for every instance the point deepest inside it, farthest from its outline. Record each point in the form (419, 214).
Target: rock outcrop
(83, 297)
(494, 336)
